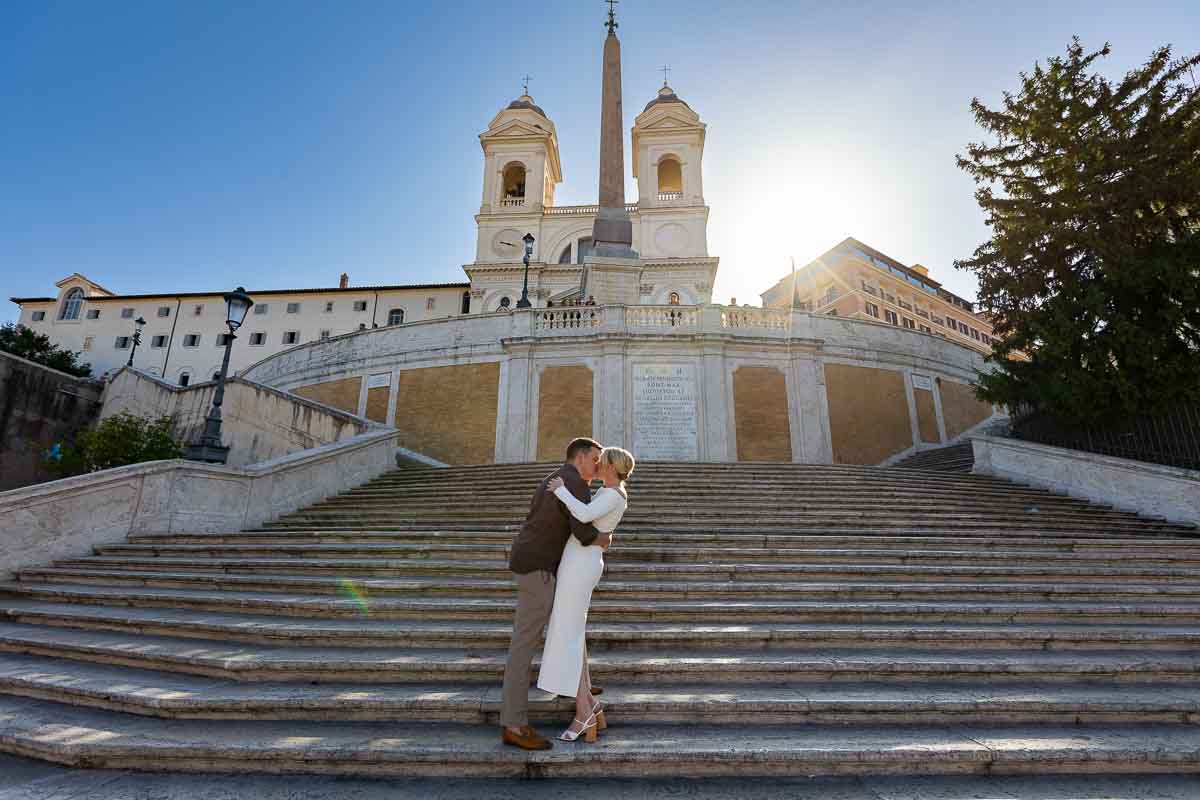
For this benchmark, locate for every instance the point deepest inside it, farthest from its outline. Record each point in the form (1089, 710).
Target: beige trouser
(535, 601)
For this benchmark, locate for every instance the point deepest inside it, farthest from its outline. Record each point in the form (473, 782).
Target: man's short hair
(581, 445)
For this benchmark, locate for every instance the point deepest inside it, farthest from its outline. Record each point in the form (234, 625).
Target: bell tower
(521, 165)
(668, 148)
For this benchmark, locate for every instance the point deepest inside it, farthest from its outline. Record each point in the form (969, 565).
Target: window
(891, 317)
(126, 313)
(670, 179)
(565, 256)
(360, 305)
(926, 329)
(985, 338)
(87, 343)
(122, 343)
(38, 316)
(466, 302)
(93, 313)
(966, 329)
(291, 337)
(673, 299)
(71, 304)
(908, 323)
(873, 310)
(223, 339)
(164, 311)
(324, 335)
(514, 185)
(191, 340)
(258, 339)
(831, 294)
(158, 341)
(260, 308)
(974, 334)
(430, 302)
(396, 316)
(185, 378)
(293, 308)
(329, 308)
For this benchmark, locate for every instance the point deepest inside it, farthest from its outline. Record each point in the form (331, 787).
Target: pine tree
(1092, 274)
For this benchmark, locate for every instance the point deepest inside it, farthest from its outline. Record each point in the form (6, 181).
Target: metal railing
(1171, 438)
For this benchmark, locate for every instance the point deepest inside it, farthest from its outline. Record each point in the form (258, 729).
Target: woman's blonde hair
(621, 460)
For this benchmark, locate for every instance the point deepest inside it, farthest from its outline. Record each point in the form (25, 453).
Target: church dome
(525, 101)
(665, 95)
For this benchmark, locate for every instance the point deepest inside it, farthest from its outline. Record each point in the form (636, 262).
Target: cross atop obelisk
(612, 234)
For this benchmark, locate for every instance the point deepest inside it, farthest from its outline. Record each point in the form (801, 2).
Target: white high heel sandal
(588, 732)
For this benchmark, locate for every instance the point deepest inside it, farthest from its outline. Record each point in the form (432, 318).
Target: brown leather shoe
(597, 690)
(527, 739)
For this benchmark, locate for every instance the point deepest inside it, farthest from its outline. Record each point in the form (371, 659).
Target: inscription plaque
(664, 412)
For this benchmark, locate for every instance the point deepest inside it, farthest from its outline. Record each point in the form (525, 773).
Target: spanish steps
(754, 619)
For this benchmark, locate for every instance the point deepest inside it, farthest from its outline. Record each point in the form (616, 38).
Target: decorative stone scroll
(664, 412)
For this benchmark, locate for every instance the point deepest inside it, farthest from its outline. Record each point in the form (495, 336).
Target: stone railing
(771, 319)
(667, 196)
(571, 211)
(258, 422)
(512, 202)
(568, 318)
(666, 318)
(67, 518)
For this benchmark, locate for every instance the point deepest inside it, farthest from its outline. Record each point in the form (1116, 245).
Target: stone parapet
(68, 517)
(1152, 489)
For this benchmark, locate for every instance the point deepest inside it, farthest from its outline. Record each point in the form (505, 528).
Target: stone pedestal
(612, 280)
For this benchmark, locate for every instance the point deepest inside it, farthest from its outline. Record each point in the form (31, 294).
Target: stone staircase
(951, 458)
(753, 620)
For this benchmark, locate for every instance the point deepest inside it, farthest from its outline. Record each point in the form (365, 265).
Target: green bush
(118, 441)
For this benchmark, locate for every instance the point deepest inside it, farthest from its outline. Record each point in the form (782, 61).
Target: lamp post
(209, 448)
(524, 301)
(138, 324)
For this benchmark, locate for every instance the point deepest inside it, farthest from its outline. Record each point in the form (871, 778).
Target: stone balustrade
(756, 319)
(573, 211)
(665, 318)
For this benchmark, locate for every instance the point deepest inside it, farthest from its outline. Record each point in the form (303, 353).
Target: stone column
(612, 233)
(516, 407)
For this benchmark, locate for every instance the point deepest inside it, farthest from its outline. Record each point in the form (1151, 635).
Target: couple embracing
(557, 558)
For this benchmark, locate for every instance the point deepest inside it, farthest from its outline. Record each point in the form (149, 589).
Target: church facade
(615, 335)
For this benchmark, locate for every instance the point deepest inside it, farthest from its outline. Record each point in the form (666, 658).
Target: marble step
(713, 611)
(973, 528)
(184, 697)
(369, 632)
(649, 536)
(681, 551)
(105, 739)
(892, 591)
(625, 667)
(497, 567)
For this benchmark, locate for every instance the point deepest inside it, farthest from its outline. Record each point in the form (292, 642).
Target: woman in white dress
(564, 669)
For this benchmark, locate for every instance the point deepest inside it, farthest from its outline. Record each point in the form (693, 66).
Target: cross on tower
(665, 71)
(527, 79)
(612, 15)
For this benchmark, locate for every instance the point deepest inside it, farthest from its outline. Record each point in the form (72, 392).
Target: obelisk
(612, 235)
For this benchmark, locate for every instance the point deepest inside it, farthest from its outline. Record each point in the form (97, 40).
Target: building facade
(183, 339)
(856, 281)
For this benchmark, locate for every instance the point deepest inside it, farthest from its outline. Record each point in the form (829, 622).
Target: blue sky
(162, 146)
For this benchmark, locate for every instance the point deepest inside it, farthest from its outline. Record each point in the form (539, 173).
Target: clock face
(507, 244)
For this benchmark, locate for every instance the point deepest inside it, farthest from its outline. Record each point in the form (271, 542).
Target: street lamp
(209, 448)
(524, 301)
(138, 324)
